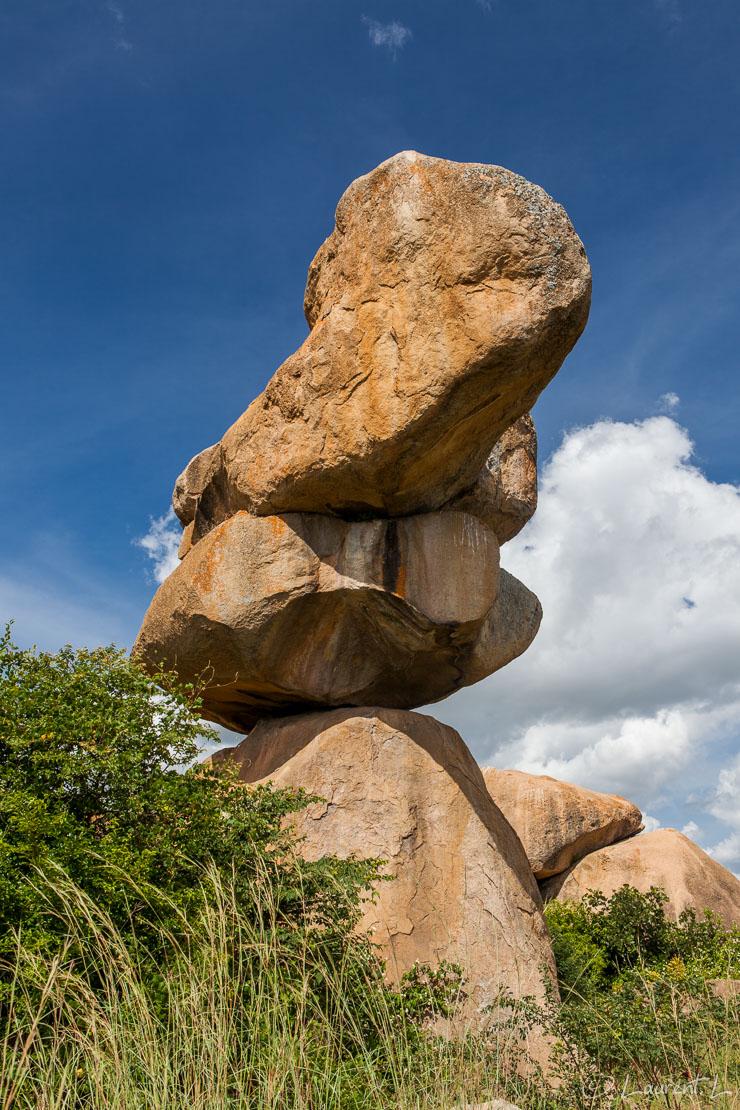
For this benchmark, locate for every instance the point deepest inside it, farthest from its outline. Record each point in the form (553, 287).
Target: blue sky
(169, 170)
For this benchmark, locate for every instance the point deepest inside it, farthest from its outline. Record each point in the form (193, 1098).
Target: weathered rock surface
(664, 858)
(442, 304)
(505, 494)
(404, 788)
(557, 822)
(193, 480)
(509, 628)
(296, 611)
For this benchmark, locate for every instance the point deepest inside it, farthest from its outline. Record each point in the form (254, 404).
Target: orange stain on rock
(400, 587)
(277, 526)
(421, 174)
(210, 566)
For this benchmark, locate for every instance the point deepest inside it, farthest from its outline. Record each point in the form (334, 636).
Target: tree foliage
(92, 781)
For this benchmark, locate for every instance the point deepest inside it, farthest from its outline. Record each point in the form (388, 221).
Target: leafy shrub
(637, 1011)
(163, 944)
(600, 942)
(91, 781)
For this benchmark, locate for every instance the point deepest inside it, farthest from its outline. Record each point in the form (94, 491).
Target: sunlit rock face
(341, 541)
(404, 788)
(341, 550)
(283, 613)
(666, 858)
(557, 822)
(443, 302)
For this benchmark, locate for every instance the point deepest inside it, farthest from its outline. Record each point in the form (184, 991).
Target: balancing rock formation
(341, 546)
(441, 305)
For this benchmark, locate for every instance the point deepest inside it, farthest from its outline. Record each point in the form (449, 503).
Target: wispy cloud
(161, 543)
(671, 12)
(669, 402)
(393, 36)
(120, 39)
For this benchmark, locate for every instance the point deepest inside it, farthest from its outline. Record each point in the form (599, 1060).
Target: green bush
(637, 1010)
(601, 942)
(91, 781)
(162, 943)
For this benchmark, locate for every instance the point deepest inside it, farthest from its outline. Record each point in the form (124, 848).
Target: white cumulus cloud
(632, 684)
(724, 805)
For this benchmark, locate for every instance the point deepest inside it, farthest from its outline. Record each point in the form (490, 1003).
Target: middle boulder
(278, 614)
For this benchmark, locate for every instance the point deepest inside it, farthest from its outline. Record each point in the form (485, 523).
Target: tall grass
(239, 1015)
(235, 1018)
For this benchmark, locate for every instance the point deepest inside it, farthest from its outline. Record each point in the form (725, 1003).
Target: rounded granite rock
(273, 615)
(442, 304)
(664, 858)
(404, 788)
(557, 822)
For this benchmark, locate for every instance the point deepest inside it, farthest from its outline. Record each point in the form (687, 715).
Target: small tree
(92, 751)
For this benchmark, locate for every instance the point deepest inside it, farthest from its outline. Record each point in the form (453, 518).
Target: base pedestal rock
(403, 787)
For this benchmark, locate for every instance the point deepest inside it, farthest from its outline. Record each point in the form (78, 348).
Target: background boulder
(665, 858)
(557, 822)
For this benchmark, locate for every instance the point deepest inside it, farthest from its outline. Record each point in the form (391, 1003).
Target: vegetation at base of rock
(238, 1015)
(163, 945)
(91, 784)
(638, 1008)
(601, 943)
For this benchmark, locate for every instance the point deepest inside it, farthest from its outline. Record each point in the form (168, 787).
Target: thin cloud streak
(393, 36)
(671, 12)
(120, 40)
